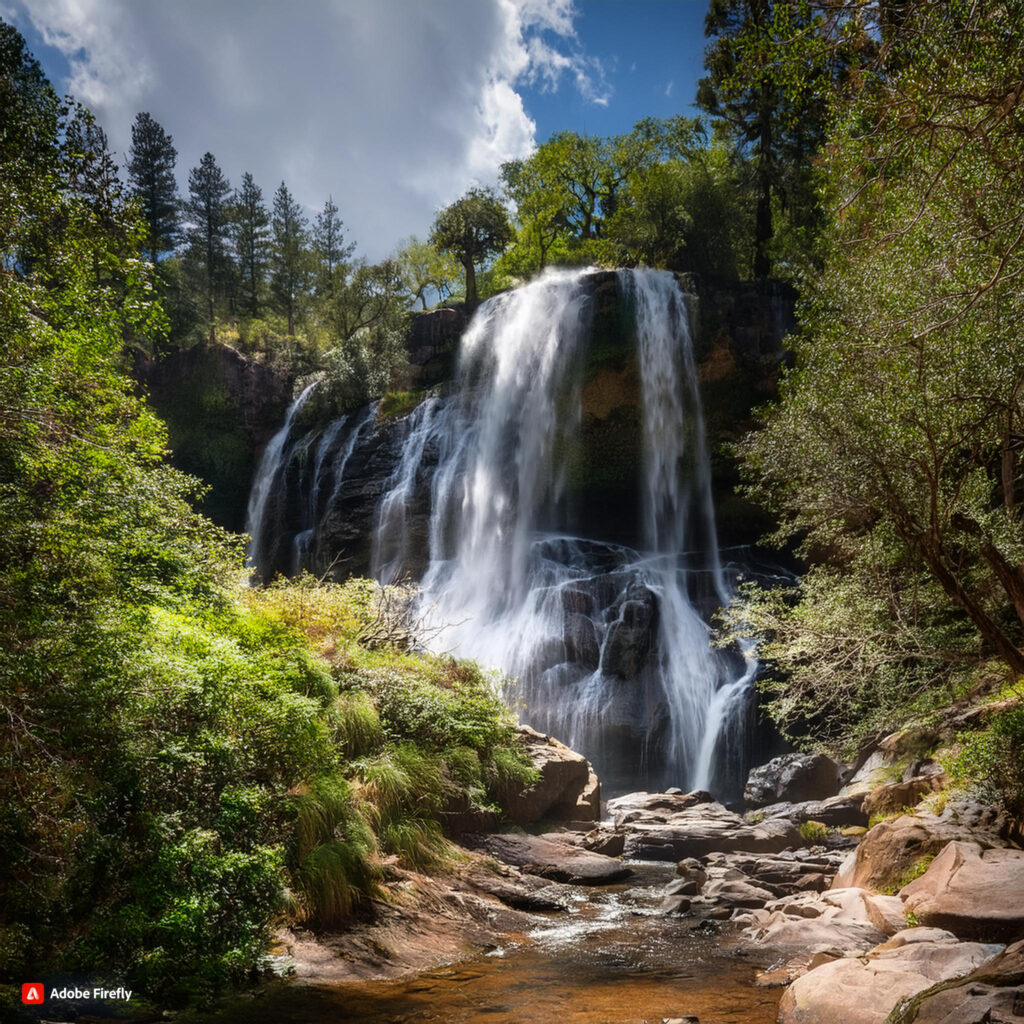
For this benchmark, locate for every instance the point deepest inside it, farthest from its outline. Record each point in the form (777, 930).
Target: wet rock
(631, 638)
(792, 778)
(692, 869)
(576, 600)
(682, 887)
(895, 796)
(863, 990)
(580, 639)
(564, 775)
(674, 905)
(431, 344)
(558, 861)
(795, 967)
(974, 893)
(990, 994)
(605, 841)
(736, 892)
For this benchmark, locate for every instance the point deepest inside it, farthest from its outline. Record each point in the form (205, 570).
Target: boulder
(895, 796)
(864, 990)
(850, 920)
(974, 893)
(892, 849)
(564, 777)
(588, 806)
(792, 778)
(835, 812)
(991, 994)
(558, 861)
(695, 830)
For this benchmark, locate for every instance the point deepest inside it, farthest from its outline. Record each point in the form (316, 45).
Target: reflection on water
(611, 959)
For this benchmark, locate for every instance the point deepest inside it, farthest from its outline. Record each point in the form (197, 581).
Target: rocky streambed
(672, 907)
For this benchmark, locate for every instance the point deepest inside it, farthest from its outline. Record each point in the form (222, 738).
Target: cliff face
(220, 408)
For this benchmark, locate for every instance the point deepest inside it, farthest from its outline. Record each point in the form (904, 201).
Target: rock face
(974, 893)
(564, 778)
(892, 849)
(792, 778)
(432, 345)
(864, 990)
(896, 796)
(220, 408)
(672, 827)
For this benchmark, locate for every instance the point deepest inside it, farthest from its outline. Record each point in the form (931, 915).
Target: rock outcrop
(791, 778)
(673, 827)
(971, 892)
(864, 990)
(558, 861)
(565, 777)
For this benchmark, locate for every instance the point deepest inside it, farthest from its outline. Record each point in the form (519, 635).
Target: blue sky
(653, 53)
(392, 107)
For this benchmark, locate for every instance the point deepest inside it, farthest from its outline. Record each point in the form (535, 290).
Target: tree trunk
(987, 627)
(470, 269)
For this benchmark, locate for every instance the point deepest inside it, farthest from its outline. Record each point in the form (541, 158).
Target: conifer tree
(151, 169)
(288, 253)
(252, 240)
(329, 246)
(209, 229)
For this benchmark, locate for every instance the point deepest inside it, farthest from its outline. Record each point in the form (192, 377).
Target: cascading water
(268, 478)
(608, 643)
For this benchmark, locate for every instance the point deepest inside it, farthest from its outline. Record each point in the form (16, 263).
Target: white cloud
(668, 88)
(393, 107)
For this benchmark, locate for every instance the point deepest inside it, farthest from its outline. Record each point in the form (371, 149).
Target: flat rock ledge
(671, 827)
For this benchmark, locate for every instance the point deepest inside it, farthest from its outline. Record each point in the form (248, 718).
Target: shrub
(992, 759)
(812, 832)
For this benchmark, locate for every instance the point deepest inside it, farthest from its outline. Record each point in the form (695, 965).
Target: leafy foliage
(893, 453)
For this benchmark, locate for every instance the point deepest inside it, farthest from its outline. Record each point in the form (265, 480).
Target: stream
(612, 959)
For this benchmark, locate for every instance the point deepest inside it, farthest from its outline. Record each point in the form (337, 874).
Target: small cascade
(268, 481)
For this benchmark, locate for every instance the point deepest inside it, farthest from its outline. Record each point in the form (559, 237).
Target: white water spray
(610, 645)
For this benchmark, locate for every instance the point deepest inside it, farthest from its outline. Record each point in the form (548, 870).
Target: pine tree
(289, 253)
(209, 229)
(251, 224)
(151, 169)
(329, 246)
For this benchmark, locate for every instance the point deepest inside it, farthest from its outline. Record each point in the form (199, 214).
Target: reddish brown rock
(974, 893)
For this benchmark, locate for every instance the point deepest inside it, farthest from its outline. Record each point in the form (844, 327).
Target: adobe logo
(32, 993)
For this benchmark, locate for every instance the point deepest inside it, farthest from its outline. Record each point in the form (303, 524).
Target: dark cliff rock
(432, 345)
(220, 408)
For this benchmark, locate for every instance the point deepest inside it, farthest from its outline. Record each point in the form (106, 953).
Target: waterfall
(267, 480)
(608, 643)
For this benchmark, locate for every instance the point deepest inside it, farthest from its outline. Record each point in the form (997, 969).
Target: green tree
(289, 263)
(778, 120)
(251, 227)
(894, 452)
(473, 229)
(422, 267)
(151, 162)
(329, 248)
(209, 232)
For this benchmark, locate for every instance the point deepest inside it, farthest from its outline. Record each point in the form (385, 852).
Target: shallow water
(611, 959)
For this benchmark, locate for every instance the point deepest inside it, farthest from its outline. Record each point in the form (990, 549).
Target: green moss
(396, 404)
